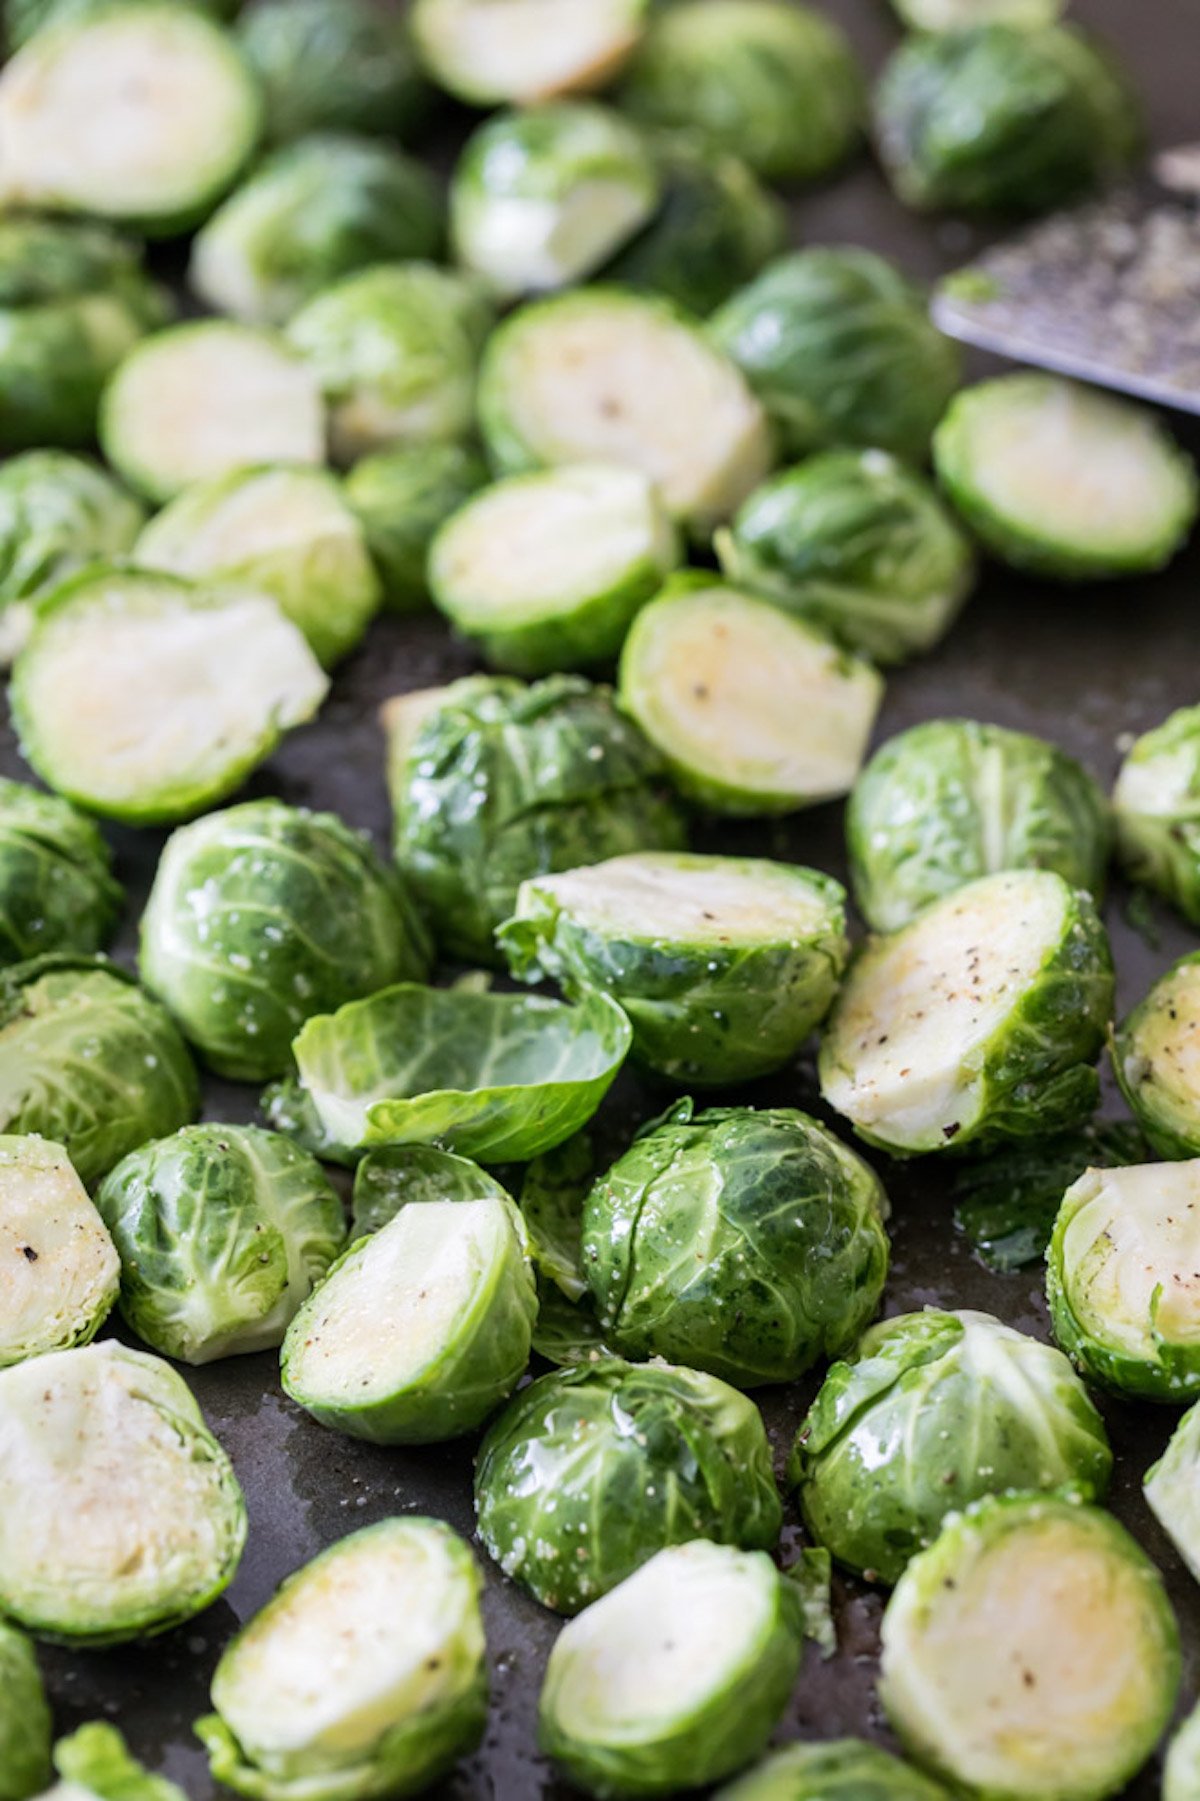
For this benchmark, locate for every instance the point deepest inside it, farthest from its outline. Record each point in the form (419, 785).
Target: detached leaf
(812, 1574)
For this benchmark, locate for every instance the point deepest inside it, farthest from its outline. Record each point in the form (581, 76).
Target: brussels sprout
(555, 1187)
(363, 1676)
(493, 783)
(490, 51)
(754, 710)
(840, 349)
(1155, 811)
(1172, 1489)
(1181, 1770)
(63, 1270)
(676, 1677)
(545, 572)
(1060, 480)
(24, 1720)
(1122, 1282)
(390, 1179)
(1155, 1058)
(287, 1108)
(775, 83)
(932, 1411)
(201, 400)
(147, 698)
(310, 213)
(857, 544)
(977, 1023)
(401, 498)
(499, 1077)
(56, 890)
(840, 1769)
(120, 1515)
(958, 15)
(951, 800)
(287, 533)
(603, 375)
(89, 1059)
(749, 1243)
(1001, 119)
(422, 1328)
(723, 964)
(1061, 1696)
(333, 65)
(590, 1471)
(22, 18)
(140, 111)
(94, 1764)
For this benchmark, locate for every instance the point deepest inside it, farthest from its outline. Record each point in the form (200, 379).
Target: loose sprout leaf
(288, 1108)
(525, 51)
(812, 1574)
(552, 1195)
(566, 1332)
(25, 1723)
(1008, 1201)
(1172, 1489)
(1155, 806)
(95, 1762)
(389, 1179)
(61, 1269)
(332, 65)
(846, 1769)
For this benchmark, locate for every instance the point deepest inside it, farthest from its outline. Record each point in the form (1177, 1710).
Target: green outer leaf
(333, 65)
(1181, 1771)
(1156, 807)
(95, 1759)
(566, 1333)
(58, 512)
(57, 892)
(401, 497)
(1172, 1489)
(286, 1107)
(1010, 1200)
(812, 1573)
(25, 1724)
(551, 1202)
(1149, 1058)
(389, 1179)
(842, 1769)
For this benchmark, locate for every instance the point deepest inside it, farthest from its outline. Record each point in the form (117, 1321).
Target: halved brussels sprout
(138, 110)
(590, 1471)
(545, 572)
(391, 1178)
(401, 498)
(394, 349)
(94, 1764)
(1181, 1770)
(754, 710)
(1156, 1056)
(932, 1411)
(978, 1022)
(723, 964)
(120, 1515)
(422, 1328)
(857, 544)
(1172, 1489)
(363, 1676)
(1031, 1653)
(62, 1268)
(222, 1232)
(263, 915)
(1003, 119)
(493, 783)
(87, 1059)
(603, 375)
(287, 533)
(526, 51)
(840, 1769)
(840, 349)
(25, 1724)
(333, 65)
(56, 888)
(541, 199)
(1122, 1279)
(676, 1677)
(951, 800)
(1061, 480)
(310, 213)
(777, 84)
(1156, 814)
(201, 400)
(748, 1243)
(499, 1077)
(959, 15)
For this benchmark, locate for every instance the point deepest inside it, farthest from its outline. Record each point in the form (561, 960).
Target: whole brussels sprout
(1181, 1769)
(61, 1268)
(312, 212)
(1172, 1489)
(401, 498)
(1002, 119)
(333, 65)
(775, 83)
(840, 348)
(840, 1769)
(749, 1243)
(56, 889)
(951, 800)
(590, 1471)
(932, 1411)
(526, 51)
(1154, 1057)
(859, 545)
(1155, 812)
(25, 1724)
(493, 782)
(263, 915)
(94, 1764)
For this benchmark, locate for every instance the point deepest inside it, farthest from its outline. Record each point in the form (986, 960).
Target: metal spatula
(1109, 293)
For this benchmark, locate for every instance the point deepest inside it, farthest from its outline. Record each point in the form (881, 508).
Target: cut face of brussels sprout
(1172, 1489)
(119, 1513)
(590, 1471)
(404, 1696)
(388, 1180)
(935, 1410)
(132, 111)
(843, 1769)
(59, 1268)
(545, 572)
(723, 964)
(332, 65)
(56, 892)
(490, 51)
(1122, 1278)
(675, 1678)
(754, 711)
(1031, 1652)
(952, 800)
(614, 377)
(498, 1077)
(25, 1723)
(1064, 481)
(94, 1764)
(287, 533)
(1156, 1056)
(401, 499)
(421, 1329)
(202, 400)
(145, 698)
(1155, 811)
(1181, 1770)
(979, 1021)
